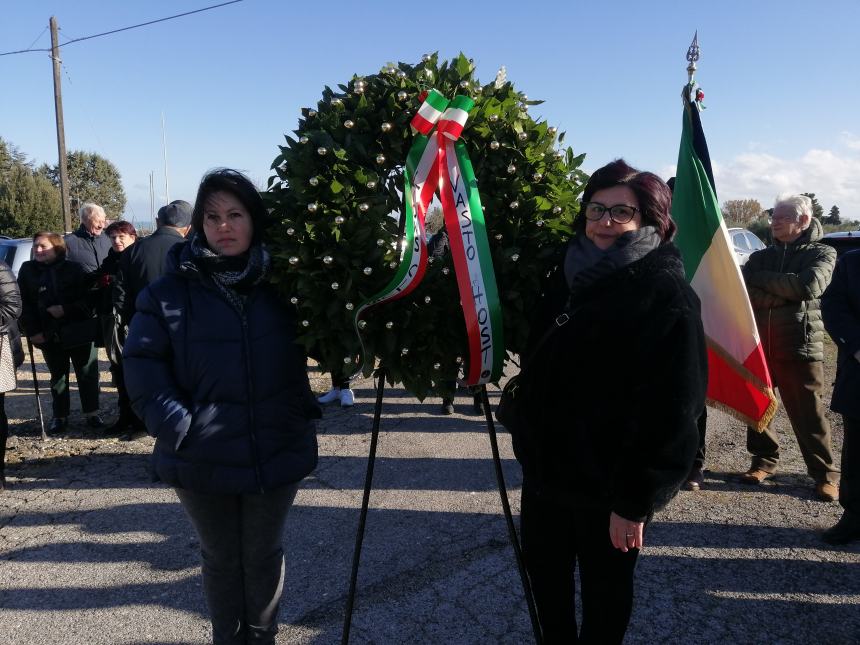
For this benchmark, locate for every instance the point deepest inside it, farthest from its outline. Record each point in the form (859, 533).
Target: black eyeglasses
(620, 213)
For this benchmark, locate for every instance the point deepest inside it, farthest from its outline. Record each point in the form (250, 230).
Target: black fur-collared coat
(614, 394)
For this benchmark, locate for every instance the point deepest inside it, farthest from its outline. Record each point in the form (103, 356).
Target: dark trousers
(799, 385)
(84, 358)
(849, 489)
(4, 435)
(554, 540)
(242, 560)
(702, 425)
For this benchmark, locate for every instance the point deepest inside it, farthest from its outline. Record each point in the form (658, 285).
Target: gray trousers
(242, 560)
(799, 384)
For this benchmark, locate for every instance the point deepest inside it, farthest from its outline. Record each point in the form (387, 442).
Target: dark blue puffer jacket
(225, 393)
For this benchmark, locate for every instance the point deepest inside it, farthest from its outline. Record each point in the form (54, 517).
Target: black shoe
(135, 434)
(477, 405)
(95, 421)
(447, 407)
(846, 530)
(694, 480)
(57, 425)
(119, 426)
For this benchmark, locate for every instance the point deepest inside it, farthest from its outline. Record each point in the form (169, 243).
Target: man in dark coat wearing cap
(144, 261)
(139, 265)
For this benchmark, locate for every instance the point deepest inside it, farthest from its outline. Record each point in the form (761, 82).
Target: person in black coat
(612, 396)
(213, 368)
(10, 310)
(123, 237)
(146, 261)
(56, 316)
(88, 246)
(840, 307)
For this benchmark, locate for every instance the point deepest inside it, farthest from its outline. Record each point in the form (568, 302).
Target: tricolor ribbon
(438, 160)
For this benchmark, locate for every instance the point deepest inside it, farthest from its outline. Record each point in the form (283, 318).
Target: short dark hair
(238, 185)
(56, 241)
(652, 193)
(119, 227)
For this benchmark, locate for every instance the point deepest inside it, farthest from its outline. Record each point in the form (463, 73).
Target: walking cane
(36, 389)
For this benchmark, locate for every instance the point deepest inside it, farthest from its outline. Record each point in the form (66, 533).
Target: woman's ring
(629, 535)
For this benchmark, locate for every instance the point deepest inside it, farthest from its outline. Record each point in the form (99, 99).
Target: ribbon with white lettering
(430, 161)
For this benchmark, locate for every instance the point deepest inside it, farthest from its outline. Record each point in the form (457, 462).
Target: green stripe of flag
(694, 205)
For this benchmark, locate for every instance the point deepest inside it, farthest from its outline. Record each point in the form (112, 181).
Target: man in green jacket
(785, 282)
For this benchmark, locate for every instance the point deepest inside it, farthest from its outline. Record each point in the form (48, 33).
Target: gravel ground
(93, 552)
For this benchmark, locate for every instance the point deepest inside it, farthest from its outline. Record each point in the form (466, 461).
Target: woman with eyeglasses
(613, 393)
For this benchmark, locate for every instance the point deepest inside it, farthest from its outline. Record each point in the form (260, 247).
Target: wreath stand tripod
(506, 508)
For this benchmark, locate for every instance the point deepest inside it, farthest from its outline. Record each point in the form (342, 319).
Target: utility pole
(61, 133)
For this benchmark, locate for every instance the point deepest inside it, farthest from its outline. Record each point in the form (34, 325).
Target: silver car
(16, 252)
(745, 243)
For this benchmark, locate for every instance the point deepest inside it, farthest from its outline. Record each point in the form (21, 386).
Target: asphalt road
(92, 552)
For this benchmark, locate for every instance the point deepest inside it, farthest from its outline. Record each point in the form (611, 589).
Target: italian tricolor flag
(738, 379)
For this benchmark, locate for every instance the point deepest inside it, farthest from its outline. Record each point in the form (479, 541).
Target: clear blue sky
(780, 78)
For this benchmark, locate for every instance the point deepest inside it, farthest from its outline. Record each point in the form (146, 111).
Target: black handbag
(510, 411)
(79, 332)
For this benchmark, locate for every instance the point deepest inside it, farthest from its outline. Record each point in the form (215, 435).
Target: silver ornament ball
(389, 325)
(401, 95)
(464, 84)
(426, 58)
(522, 136)
(494, 118)
(437, 366)
(539, 223)
(380, 159)
(494, 145)
(445, 270)
(362, 324)
(498, 236)
(380, 242)
(348, 124)
(515, 257)
(322, 151)
(371, 184)
(313, 181)
(349, 306)
(514, 205)
(367, 270)
(312, 113)
(556, 210)
(537, 176)
(312, 207)
(335, 286)
(364, 207)
(294, 260)
(347, 360)
(306, 323)
(512, 169)
(427, 300)
(328, 259)
(294, 300)
(386, 127)
(552, 130)
(340, 219)
(303, 139)
(291, 231)
(401, 74)
(404, 351)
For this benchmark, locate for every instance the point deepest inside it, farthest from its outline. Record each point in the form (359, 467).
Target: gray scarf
(584, 263)
(234, 276)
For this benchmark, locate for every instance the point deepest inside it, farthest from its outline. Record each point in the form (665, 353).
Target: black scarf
(584, 263)
(235, 275)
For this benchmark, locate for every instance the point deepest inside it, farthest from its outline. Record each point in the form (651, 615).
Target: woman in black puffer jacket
(213, 369)
(612, 399)
(10, 310)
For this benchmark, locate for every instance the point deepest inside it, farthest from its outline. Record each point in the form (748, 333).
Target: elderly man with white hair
(785, 282)
(88, 246)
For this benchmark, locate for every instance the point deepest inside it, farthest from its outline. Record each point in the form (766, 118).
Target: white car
(16, 252)
(745, 243)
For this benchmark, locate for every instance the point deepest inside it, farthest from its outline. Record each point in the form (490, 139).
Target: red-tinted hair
(652, 193)
(119, 227)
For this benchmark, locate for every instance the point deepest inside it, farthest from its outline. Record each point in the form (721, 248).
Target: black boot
(120, 426)
(846, 530)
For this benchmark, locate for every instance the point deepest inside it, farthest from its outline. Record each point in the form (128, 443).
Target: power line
(115, 31)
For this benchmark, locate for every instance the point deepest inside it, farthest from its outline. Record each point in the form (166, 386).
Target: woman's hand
(625, 534)
(37, 339)
(56, 311)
